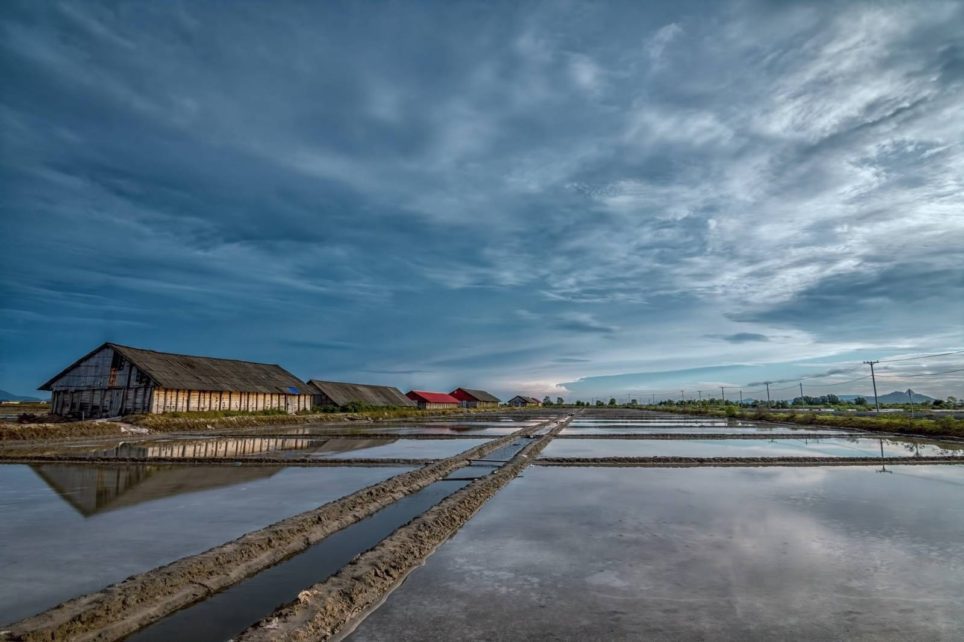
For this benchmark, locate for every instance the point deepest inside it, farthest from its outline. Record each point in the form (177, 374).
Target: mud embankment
(335, 605)
(56, 428)
(127, 606)
(722, 435)
(683, 462)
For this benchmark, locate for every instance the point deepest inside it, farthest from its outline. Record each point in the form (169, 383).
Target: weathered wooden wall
(201, 400)
(108, 385)
(425, 405)
(103, 385)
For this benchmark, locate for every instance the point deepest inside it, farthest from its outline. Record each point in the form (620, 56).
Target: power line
(931, 374)
(923, 356)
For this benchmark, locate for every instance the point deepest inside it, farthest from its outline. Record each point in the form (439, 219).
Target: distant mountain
(901, 397)
(896, 396)
(9, 396)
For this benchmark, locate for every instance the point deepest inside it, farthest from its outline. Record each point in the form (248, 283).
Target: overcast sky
(562, 198)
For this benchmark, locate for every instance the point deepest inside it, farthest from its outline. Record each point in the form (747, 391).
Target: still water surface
(826, 447)
(67, 530)
(812, 553)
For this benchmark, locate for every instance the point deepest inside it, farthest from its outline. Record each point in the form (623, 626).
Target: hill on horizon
(9, 396)
(897, 396)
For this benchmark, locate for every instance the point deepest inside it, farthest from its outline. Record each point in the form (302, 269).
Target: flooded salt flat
(71, 529)
(697, 553)
(827, 447)
(388, 449)
(230, 611)
(479, 428)
(280, 447)
(743, 428)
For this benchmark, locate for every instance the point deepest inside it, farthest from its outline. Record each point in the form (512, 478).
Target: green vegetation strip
(937, 427)
(206, 421)
(333, 606)
(122, 608)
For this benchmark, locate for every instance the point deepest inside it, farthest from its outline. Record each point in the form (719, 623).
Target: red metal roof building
(432, 400)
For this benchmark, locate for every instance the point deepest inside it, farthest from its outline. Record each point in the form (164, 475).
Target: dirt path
(127, 606)
(334, 606)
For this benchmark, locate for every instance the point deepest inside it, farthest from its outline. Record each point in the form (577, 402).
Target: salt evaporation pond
(697, 553)
(825, 447)
(644, 429)
(67, 530)
(410, 429)
(389, 449)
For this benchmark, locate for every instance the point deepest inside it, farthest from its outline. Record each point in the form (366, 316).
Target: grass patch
(929, 427)
(214, 420)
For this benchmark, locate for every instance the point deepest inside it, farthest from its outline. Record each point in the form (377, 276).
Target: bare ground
(127, 606)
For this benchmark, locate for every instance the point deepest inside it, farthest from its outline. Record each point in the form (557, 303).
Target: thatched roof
(344, 393)
(186, 372)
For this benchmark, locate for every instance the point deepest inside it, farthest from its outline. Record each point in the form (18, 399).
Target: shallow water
(826, 447)
(630, 429)
(70, 529)
(388, 449)
(697, 553)
(410, 429)
(232, 610)
(280, 447)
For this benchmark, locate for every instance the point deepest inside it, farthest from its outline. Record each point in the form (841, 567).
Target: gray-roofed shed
(341, 394)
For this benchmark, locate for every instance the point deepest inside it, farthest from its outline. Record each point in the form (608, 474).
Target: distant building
(432, 400)
(334, 393)
(114, 380)
(520, 401)
(475, 398)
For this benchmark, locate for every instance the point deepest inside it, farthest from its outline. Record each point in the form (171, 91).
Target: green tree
(546, 401)
(560, 401)
(612, 401)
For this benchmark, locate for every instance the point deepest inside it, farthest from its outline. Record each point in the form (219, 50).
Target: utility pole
(874, 379)
(741, 397)
(700, 393)
(910, 395)
(654, 398)
(723, 395)
(681, 396)
(801, 392)
(768, 393)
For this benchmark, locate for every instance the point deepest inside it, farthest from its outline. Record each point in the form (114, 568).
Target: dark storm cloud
(389, 186)
(861, 303)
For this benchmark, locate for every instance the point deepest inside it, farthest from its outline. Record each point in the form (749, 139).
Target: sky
(566, 198)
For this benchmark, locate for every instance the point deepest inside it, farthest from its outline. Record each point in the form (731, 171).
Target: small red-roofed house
(432, 400)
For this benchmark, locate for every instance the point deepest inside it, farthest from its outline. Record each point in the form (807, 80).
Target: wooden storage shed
(114, 380)
(521, 401)
(334, 393)
(475, 398)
